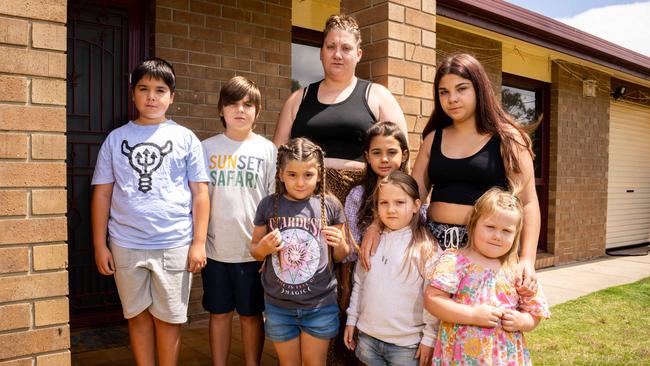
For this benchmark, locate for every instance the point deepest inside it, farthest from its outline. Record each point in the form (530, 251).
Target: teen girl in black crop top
(470, 145)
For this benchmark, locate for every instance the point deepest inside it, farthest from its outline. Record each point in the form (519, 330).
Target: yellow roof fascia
(532, 61)
(312, 14)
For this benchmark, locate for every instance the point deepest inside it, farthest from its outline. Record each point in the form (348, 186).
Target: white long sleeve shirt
(387, 302)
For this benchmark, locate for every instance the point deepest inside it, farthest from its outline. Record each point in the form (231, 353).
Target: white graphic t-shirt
(151, 167)
(241, 174)
(299, 276)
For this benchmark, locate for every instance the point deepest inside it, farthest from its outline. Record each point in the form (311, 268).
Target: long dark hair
(370, 178)
(490, 116)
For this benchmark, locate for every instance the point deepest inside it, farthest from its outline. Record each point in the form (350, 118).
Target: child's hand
(516, 321)
(332, 235)
(424, 354)
(196, 258)
(486, 316)
(104, 261)
(348, 337)
(271, 242)
(369, 245)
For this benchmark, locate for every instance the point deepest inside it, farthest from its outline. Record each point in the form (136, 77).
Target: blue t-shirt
(151, 167)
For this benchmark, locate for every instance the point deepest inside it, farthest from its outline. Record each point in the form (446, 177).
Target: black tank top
(464, 180)
(339, 128)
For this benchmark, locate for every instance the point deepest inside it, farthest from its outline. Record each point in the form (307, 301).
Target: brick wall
(399, 41)
(578, 161)
(210, 42)
(487, 51)
(33, 254)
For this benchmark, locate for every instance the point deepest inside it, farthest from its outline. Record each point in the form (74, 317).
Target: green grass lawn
(608, 327)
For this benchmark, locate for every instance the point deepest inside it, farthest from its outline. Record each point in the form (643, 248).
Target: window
(527, 100)
(306, 66)
(524, 106)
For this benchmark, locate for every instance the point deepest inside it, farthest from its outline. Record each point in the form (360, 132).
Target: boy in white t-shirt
(151, 194)
(241, 168)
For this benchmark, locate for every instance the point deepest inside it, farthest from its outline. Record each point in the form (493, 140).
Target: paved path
(568, 282)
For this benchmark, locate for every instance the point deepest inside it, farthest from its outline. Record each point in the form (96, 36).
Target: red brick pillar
(33, 254)
(399, 52)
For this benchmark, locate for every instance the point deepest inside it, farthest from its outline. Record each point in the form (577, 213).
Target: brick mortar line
(30, 20)
(29, 47)
(19, 330)
(31, 271)
(32, 301)
(20, 358)
(30, 76)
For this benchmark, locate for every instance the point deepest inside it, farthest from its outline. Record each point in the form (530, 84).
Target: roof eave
(516, 22)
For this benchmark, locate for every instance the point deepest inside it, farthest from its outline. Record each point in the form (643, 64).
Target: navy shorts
(232, 286)
(282, 324)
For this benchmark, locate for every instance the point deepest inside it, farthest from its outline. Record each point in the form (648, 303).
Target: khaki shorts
(155, 279)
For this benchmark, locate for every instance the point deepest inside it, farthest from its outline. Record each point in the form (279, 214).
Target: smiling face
(494, 234)
(395, 207)
(152, 98)
(240, 117)
(340, 53)
(457, 98)
(385, 155)
(300, 178)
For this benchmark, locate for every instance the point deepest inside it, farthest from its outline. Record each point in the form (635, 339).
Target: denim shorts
(283, 324)
(375, 352)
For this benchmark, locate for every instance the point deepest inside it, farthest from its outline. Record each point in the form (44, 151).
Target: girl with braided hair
(298, 232)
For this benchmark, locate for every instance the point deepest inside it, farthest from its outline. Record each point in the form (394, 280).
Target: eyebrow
(456, 86)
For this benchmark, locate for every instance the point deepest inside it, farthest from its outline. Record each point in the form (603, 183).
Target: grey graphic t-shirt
(298, 277)
(151, 167)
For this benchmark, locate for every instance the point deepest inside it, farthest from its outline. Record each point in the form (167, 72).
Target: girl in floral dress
(474, 295)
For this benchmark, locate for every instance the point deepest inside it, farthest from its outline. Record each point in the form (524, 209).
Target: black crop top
(339, 128)
(464, 180)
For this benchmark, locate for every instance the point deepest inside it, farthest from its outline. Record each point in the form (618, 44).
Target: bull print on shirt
(145, 158)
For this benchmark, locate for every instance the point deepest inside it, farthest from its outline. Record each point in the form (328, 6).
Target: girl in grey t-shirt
(298, 232)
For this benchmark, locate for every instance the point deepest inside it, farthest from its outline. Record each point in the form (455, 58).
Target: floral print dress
(471, 284)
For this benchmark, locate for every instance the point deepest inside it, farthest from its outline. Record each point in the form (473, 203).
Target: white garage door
(628, 193)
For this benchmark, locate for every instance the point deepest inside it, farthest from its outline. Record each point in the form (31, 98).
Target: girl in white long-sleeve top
(386, 306)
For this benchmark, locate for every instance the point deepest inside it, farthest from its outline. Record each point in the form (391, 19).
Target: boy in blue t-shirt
(151, 194)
